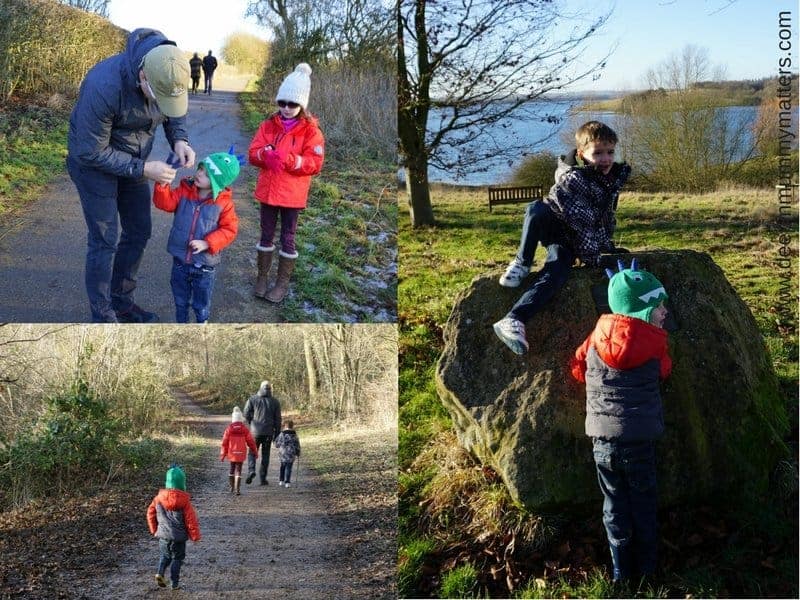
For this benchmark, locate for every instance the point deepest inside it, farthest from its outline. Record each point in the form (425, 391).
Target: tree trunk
(311, 369)
(419, 195)
(413, 104)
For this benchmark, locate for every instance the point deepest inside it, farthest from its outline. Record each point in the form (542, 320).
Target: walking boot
(238, 485)
(264, 263)
(281, 287)
(230, 482)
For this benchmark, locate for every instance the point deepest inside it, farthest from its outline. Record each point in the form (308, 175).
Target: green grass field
(454, 518)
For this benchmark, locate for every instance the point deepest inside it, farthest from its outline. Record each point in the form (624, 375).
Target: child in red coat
(235, 442)
(288, 148)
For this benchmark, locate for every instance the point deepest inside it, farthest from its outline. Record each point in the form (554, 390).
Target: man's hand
(185, 153)
(159, 171)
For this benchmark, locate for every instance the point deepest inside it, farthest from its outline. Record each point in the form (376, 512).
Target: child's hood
(305, 121)
(624, 342)
(237, 428)
(173, 499)
(569, 162)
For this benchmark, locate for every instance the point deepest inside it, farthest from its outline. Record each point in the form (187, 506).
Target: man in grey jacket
(122, 101)
(263, 414)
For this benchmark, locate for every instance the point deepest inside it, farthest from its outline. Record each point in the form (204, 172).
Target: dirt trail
(269, 542)
(43, 251)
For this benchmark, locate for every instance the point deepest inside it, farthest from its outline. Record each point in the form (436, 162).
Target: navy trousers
(117, 214)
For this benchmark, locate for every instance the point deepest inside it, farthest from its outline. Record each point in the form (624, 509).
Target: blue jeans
(191, 285)
(286, 472)
(111, 204)
(626, 472)
(541, 226)
(172, 555)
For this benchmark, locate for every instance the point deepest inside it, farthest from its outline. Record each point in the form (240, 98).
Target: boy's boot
(230, 482)
(238, 485)
(285, 269)
(264, 263)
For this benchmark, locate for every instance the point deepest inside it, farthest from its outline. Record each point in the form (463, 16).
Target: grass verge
(347, 238)
(34, 142)
(707, 550)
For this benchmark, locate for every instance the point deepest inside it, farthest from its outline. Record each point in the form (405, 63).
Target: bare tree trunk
(419, 196)
(413, 104)
(311, 368)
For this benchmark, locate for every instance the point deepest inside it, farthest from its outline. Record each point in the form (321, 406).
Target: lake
(542, 135)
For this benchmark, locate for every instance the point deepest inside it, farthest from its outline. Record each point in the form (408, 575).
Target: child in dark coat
(235, 442)
(288, 445)
(172, 519)
(576, 220)
(621, 362)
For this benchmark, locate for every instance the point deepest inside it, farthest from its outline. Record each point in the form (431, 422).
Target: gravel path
(269, 542)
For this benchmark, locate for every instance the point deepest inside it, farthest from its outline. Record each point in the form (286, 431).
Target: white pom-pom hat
(297, 86)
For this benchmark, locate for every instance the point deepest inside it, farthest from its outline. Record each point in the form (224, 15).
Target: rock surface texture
(524, 415)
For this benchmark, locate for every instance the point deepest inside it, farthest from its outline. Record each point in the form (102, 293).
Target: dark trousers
(263, 442)
(541, 226)
(191, 286)
(195, 83)
(207, 77)
(117, 215)
(286, 471)
(172, 555)
(626, 472)
(269, 220)
(236, 468)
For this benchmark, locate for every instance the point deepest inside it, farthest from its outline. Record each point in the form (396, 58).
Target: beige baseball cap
(167, 72)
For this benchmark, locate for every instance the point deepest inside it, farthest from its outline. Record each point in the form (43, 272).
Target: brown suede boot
(281, 287)
(264, 263)
(238, 485)
(230, 482)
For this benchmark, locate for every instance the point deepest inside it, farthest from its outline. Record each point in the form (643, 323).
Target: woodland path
(269, 542)
(44, 249)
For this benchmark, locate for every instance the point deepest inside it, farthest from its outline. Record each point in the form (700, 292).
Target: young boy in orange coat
(622, 362)
(289, 149)
(205, 222)
(235, 442)
(172, 519)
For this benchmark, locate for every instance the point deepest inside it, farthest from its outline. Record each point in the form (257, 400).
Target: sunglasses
(284, 104)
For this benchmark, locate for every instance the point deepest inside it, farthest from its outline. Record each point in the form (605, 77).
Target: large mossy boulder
(524, 415)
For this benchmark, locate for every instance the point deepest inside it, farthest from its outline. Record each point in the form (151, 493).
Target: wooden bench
(513, 195)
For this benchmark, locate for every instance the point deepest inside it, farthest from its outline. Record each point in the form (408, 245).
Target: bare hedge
(47, 47)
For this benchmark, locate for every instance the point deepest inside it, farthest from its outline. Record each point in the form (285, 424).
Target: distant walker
(209, 66)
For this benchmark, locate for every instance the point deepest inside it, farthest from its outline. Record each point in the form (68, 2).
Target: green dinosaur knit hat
(222, 169)
(176, 478)
(633, 292)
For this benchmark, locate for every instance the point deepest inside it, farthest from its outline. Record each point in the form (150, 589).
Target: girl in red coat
(288, 148)
(235, 442)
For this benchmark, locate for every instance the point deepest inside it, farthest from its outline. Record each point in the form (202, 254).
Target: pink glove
(274, 159)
